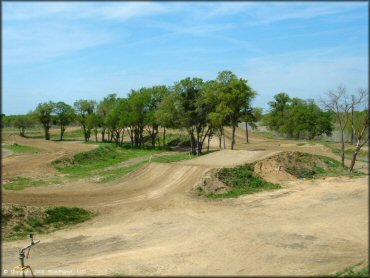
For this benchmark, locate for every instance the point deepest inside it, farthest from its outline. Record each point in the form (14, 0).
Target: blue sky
(64, 51)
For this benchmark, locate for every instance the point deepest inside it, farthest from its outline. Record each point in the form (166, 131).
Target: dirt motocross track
(151, 222)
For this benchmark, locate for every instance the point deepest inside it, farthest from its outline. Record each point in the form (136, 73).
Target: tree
(154, 98)
(193, 111)
(43, 113)
(64, 115)
(251, 117)
(22, 122)
(337, 101)
(93, 121)
(277, 116)
(136, 113)
(236, 96)
(83, 109)
(167, 113)
(359, 123)
(103, 109)
(297, 118)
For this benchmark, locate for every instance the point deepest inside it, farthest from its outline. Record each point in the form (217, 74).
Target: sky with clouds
(64, 51)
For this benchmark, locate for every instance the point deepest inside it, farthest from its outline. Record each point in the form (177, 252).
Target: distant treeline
(202, 108)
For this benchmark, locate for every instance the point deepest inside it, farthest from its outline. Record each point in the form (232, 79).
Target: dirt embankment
(39, 164)
(150, 223)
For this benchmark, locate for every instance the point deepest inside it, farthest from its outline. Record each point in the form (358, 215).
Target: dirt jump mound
(284, 166)
(296, 165)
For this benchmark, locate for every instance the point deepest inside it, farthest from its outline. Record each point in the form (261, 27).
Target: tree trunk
(198, 142)
(246, 132)
(223, 134)
(352, 119)
(353, 160)
(47, 134)
(233, 138)
(164, 137)
(342, 148)
(219, 141)
(96, 135)
(61, 133)
(103, 134)
(209, 139)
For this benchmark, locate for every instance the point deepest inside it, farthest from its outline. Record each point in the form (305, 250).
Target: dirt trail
(151, 223)
(39, 164)
(6, 153)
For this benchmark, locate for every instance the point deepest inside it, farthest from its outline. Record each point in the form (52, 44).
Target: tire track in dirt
(151, 223)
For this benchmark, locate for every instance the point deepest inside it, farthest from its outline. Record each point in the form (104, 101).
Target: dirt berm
(150, 224)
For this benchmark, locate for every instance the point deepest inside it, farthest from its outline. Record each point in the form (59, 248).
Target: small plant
(351, 272)
(241, 180)
(18, 221)
(66, 215)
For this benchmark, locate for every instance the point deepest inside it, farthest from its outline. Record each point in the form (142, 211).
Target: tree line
(203, 109)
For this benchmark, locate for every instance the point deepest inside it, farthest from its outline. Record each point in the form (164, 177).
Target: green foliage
(22, 122)
(235, 99)
(83, 109)
(66, 216)
(65, 115)
(242, 181)
(297, 118)
(18, 221)
(178, 140)
(353, 272)
(44, 115)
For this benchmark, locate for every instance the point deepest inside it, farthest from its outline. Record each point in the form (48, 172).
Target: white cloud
(96, 11)
(41, 42)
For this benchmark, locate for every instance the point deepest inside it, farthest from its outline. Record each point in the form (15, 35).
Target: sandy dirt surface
(39, 165)
(151, 223)
(6, 153)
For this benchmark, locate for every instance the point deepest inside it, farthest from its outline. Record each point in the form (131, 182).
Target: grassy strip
(111, 175)
(242, 181)
(20, 183)
(172, 158)
(20, 220)
(351, 272)
(21, 149)
(69, 135)
(88, 163)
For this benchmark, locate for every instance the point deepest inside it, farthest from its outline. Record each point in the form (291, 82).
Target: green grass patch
(20, 183)
(241, 181)
(69, 135)
(18, 149)
(113, 174)
(172, 157)
(353, 271)
(92, 162)
(18, 221)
